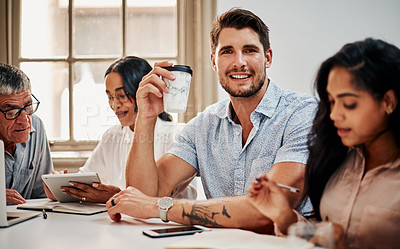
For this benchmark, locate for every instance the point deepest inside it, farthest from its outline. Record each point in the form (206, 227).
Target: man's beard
(254, 88)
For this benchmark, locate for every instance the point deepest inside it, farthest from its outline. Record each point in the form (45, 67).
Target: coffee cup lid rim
(182, 68)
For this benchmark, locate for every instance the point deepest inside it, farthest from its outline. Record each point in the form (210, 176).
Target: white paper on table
(237, 239)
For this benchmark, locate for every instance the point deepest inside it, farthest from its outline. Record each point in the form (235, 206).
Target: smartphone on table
(174, 231)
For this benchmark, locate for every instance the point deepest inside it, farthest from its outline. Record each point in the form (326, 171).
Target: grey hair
(13, 80)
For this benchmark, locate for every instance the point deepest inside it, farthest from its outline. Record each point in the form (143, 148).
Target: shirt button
(238, 192)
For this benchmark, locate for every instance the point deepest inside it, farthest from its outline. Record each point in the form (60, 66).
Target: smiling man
(261, 128)
(27, 153)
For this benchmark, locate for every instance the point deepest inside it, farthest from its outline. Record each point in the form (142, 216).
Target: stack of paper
(238, 239)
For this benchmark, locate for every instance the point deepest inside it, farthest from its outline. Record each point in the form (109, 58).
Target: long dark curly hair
(375, 67)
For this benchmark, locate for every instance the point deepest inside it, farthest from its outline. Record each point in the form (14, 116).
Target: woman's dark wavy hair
(132, 69)
(375, 67)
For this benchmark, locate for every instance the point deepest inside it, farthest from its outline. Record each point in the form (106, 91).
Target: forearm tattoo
(202, 214)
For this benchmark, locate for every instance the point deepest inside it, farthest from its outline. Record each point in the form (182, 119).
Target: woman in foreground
(353, 170)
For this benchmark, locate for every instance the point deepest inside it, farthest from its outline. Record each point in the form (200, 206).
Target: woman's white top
(110, 156)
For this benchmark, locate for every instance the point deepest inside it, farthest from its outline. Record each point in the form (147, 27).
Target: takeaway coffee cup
(176, 99)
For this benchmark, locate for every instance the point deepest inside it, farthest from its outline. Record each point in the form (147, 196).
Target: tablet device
(56, 181)
(174, 231)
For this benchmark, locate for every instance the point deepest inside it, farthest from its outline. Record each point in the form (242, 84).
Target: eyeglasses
(121, 95)
(15, 112)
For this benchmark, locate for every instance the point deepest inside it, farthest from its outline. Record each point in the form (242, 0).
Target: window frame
(194, 19)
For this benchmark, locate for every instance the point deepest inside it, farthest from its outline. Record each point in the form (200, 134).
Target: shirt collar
(32, 129)
(266, 107)
(270, 100)
(32, 121)
(225, 111)
(360, 150)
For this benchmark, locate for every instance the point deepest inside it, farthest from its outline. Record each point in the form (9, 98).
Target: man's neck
(243, 107)
(9, 147)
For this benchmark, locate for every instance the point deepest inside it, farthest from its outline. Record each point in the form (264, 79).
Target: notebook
(69, 208)
(9, 218)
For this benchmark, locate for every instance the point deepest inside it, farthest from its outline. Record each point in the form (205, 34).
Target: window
(66, 46)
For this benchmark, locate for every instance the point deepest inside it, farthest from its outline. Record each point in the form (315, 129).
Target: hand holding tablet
(56, 181)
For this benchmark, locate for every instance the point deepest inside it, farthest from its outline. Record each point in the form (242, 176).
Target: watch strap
(163, 214)
(164, 204)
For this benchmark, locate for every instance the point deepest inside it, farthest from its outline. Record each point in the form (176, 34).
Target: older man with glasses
(27, 152)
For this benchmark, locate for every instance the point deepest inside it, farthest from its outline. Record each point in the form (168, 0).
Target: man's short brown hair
(239, 19)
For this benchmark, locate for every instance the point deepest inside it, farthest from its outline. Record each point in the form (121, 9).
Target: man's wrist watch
(164, 204)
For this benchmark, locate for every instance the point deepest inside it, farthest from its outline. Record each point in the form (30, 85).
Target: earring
(389, 111)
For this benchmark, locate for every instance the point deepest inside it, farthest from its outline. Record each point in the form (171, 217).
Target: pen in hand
(282, 186)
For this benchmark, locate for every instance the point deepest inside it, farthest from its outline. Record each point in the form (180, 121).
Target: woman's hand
(269, 199)
(96, 193)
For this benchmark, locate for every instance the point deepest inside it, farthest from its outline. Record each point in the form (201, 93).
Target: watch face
(165, 202)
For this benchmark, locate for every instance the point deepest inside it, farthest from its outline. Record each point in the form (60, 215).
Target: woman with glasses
(109, 158)
(27, 152)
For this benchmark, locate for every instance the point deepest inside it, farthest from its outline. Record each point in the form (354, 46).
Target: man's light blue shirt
(212, 142)
(30, 161)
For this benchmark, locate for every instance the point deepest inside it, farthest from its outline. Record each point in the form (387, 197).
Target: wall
(304, 33)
